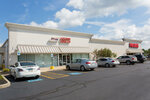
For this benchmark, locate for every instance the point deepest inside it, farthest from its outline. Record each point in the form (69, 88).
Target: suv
(140, 57)
(129, 59)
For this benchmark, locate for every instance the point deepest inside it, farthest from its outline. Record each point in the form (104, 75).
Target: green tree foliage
(146, 52)
(104, 53)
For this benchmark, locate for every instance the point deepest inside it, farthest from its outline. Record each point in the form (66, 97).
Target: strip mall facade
(48, 47)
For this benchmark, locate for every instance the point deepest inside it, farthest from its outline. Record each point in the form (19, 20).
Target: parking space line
(52, 75)
(47, 77)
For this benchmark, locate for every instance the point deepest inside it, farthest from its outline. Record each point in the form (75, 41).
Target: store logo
(54, 39)
(65, 40)
(133, 45)
(61, 40)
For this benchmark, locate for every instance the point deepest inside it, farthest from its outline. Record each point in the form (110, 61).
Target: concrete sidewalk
(45, 69)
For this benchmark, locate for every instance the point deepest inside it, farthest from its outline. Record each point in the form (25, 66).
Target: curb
(6, 84)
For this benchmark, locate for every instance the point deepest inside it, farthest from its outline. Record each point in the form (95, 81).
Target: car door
(99, 62)
(104, 61)
(78, 64)
(120, 59)
(73, 64)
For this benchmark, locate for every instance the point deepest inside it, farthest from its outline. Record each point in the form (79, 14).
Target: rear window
(27, 64)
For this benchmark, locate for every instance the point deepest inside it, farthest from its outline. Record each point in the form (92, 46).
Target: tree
(146, 52)
(103, 53)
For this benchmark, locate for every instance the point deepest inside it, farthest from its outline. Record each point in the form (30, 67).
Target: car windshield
(27, 64)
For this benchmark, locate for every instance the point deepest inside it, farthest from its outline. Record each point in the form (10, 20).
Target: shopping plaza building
(48, 47)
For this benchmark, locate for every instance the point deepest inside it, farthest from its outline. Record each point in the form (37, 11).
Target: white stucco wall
(116, 48)
(30, 37)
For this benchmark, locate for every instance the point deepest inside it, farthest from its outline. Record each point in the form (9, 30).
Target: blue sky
(106, 19)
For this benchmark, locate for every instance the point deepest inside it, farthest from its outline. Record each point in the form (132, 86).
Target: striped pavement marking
(35, 80)
(52, 75)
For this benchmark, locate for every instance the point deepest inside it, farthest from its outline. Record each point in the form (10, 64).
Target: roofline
(107, 41)
(131, 40)
(4, 43)
(38, 28)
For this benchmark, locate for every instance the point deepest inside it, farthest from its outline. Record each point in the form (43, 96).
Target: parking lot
(125, 82)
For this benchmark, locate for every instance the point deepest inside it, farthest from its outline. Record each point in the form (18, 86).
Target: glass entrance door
(64, 59)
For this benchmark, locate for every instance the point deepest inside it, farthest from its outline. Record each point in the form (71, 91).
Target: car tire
(128, 62)
(141, 61)
(133, 63)
(107, 65)
(37, 76)
(68, 67)
(92, 68)
(82, 68)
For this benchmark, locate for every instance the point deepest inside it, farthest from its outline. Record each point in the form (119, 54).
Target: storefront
(132, 46)
(47, 47)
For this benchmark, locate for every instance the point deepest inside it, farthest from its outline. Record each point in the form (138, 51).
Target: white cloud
(69, 19)
(78, 4)
(66, 19)
(47, 24)
(100, 8)
(125, 29)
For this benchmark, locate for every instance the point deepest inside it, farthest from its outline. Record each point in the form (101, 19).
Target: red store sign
(133, 45)
(65, 40)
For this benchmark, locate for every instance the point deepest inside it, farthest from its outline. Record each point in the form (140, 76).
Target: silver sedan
(82, 64)
(107, 62)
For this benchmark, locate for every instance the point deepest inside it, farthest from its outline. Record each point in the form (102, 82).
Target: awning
(29, 49)
(134, 51)
(75, 49)
(38, 49)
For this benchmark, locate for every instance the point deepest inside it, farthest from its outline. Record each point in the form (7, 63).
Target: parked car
(141, 58)
(129, 59)
(107, 62)
(25, 69)
(81, 64)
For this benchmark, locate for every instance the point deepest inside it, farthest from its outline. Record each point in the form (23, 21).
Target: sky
(106, 19)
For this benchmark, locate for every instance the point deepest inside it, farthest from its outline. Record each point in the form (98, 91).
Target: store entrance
(64, 59)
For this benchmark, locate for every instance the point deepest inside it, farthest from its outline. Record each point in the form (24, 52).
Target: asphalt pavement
(125, 82)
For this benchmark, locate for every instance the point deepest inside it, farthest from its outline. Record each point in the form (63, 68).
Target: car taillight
(88, 62)
(112, 61)
(20, 70)
(132, 58)
(38, 68)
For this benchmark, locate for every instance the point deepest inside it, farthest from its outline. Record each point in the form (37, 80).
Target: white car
(25, 69)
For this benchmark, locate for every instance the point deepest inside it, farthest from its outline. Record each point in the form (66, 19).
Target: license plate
(30, 70)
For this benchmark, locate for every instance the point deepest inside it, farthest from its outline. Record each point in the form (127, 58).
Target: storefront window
(77, 56)
(42, 60)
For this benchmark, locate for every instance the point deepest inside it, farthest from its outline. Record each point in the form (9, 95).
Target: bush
(6, 70)
(104, 53)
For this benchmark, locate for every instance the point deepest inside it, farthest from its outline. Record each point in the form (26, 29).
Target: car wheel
(128, 62)
(82, 68)
(142, 61)
(133, 63)
(68, 67)
(92, 68)
(107, 65)
(37, 76)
